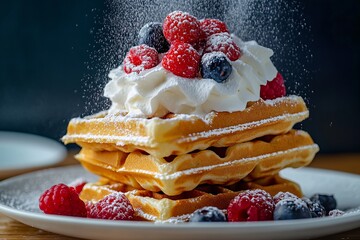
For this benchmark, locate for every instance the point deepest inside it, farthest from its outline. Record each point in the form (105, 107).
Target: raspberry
(78, 186)
(223, 42)
(273, 89)
(211, 26)
(182, 60)
(251, 205)
(61, 199)
(181, 26)
(140, 58)
(115, 206)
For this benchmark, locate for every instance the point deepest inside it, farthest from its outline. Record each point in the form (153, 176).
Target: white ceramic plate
(20, 152)
(19, 200)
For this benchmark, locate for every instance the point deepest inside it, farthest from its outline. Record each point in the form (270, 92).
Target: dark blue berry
(328, 201)
(291, 209)
(316, 209)
(216, 66)
(208, 214)
(152, 35)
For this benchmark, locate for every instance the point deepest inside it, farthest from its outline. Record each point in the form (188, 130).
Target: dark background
(54, 57)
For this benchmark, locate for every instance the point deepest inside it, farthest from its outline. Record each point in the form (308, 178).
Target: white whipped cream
(156, 91)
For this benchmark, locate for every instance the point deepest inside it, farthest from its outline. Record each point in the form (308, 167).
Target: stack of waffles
(170, 166)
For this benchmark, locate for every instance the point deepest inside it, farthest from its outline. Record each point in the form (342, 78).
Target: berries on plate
(273, 89)
(223, 42)
(211, 26)
(316, 209)
(152, 35)
(114, 206)
(336, 213)
(182, 60)
(181, 26)
(251, 205)
(208, 214)
(61, 199)
(327, 201)
(215, 65)
(291, 208)
(140, 58)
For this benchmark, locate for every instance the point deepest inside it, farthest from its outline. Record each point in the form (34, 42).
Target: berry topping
(273, 89)
(216, 66)
(152, 35)
(115, 206)
(181, 26)
(316, 209)
(223, 42)
(140, 58)
(208, 214)
(283, 195)
(61, 199)
(290, 208)
(182, 60)
(328, 201)
(251, 205)
(211, 26)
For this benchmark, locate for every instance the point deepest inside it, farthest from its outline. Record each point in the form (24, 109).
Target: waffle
(181, 134)
(173, 175)
(162, 208)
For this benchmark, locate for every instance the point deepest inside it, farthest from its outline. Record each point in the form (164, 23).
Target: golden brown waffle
(180, 134)
(160, 207)
(251, 160)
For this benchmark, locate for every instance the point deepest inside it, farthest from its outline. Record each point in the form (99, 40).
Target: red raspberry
(115, 206)
(223, 42)
(273, 89)
(181, 26)
(211, 26)
(251, 205)
(140, 58)
(78, 185)
(182, 60)
(62, 200)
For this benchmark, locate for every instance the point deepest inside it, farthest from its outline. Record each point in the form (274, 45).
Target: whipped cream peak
(155, 92)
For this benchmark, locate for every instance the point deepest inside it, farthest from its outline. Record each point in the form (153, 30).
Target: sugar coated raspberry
(181, 26)
(211, 26)
(223, 42)
(115, 206)
(251, 205)
(273, 89)
(140, 58)
(182, 60)
(61, 199)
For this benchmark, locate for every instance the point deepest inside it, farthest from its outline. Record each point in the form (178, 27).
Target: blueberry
(208, 214)
(315, 207)
(328, 201)
(291, 209)
(215, 65)
(152, 35)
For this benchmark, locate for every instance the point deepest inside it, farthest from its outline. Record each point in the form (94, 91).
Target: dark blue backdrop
(49, 62)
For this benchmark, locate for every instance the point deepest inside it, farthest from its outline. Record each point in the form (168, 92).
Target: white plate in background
(19, 200)
(21, 152)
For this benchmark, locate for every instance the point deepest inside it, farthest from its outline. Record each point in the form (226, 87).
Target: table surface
(11, 229)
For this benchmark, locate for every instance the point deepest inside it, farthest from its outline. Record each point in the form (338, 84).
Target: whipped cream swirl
(156, 91)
